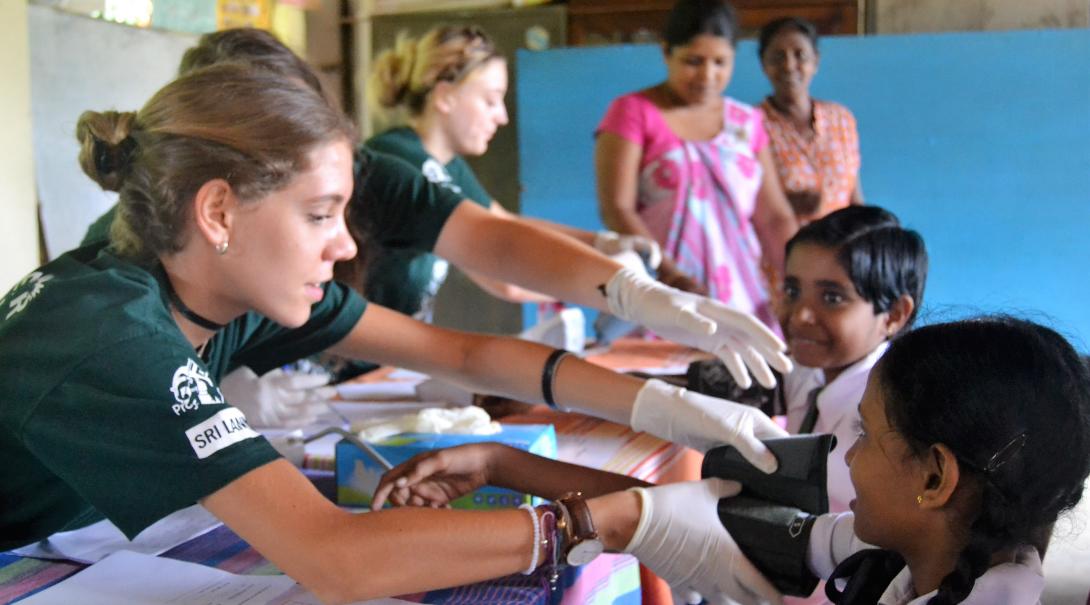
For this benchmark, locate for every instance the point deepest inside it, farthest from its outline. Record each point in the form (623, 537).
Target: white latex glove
(680, 538)
(277, 399)
(737, 338)
(701, 422)
(611, 242)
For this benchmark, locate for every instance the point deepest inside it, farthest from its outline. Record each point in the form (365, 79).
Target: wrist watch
(579, 537)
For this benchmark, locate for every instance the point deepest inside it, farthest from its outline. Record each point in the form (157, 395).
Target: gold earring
(919, 500)
(221, 248)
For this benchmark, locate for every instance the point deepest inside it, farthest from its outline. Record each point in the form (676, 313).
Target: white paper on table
(138, 579)
(95, 542)
(377, 390)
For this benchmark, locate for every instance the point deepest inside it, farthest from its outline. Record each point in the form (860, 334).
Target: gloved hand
(703, 422)
(277, 399)
(680, 538)
(737, 338)
(611, 242)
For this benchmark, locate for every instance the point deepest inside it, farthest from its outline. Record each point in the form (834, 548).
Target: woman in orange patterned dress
(814, 143)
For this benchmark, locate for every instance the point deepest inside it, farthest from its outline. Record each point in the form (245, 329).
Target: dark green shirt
(105, 408)
(411, 278)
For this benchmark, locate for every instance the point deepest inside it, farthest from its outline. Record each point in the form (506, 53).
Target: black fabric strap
(186, 312)
(811, 417)
(548, 375)
(865, 576)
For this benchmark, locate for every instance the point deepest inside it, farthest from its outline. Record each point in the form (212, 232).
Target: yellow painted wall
(18, 200)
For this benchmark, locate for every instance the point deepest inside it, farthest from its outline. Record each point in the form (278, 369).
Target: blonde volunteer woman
(398, 216)
(445, 91)
(233, 185)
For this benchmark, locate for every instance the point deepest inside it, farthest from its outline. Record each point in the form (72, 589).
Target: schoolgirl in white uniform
(853, 280)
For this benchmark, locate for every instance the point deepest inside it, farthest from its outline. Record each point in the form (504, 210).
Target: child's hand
(438, 477)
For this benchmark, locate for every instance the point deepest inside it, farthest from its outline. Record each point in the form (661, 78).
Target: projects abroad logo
(192, 388)
(34, 284)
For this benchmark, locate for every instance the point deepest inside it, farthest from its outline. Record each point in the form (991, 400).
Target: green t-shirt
(408, 279)
(105, 408)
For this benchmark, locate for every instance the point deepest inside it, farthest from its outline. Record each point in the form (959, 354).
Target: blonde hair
(402, 76)
(248, 127)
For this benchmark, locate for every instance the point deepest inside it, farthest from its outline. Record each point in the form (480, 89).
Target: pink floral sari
(698, 198)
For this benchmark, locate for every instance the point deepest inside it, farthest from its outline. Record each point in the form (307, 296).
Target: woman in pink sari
(683, 164)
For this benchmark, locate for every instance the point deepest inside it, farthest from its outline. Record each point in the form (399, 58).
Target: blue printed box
(358, 475)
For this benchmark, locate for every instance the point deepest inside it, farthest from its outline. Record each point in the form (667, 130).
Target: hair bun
(392, 73)
(106, 146)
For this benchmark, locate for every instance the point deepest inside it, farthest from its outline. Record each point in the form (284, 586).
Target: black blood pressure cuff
(710, 377)
(771, 518)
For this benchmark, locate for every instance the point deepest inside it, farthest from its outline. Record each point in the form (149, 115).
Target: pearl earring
(221, 248)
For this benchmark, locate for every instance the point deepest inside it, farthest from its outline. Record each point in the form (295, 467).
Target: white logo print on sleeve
(225, 428)
(192, 388)
(34, 282)
(437, 173)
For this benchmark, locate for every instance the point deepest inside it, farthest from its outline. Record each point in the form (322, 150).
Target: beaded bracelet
(537, 539)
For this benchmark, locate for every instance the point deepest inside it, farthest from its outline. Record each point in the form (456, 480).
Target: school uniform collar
(848, 380)
(845, 390)
(1017, 583)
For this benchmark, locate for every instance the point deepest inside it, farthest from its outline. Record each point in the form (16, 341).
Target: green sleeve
(140, 430)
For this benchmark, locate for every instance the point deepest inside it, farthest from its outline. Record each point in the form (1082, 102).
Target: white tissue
(460, 421)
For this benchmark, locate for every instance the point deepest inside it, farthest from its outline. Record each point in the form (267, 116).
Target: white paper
(95, 542)
(138, 579)
(378, 390)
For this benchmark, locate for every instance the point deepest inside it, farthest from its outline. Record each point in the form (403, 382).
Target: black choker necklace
(188, 313)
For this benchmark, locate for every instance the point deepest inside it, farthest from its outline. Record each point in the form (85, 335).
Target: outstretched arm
(345, 558)
(515, 368)
(439, 477)
(514, 251)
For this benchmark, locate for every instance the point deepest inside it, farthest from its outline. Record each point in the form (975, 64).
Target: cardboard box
(358, 475)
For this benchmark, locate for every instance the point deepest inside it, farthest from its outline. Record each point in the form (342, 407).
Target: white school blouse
(833, 539)
(837, 411)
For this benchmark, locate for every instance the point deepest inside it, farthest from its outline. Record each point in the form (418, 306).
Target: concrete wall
(908, 16)
(18, 200)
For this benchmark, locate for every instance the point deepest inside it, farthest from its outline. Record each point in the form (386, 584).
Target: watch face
(584, 552)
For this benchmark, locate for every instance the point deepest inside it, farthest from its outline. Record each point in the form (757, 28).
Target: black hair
(769, 31)
(691, 18)
(1011, 399)
(883, 259)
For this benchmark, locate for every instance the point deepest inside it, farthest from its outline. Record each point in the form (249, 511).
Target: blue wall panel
(980, 141)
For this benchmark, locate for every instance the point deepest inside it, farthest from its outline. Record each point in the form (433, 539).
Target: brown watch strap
(578, 515)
